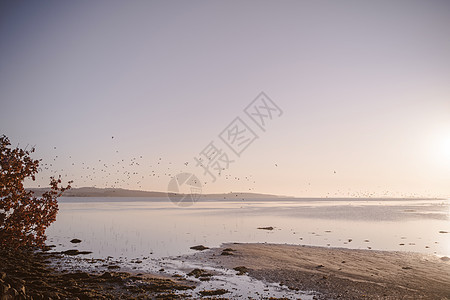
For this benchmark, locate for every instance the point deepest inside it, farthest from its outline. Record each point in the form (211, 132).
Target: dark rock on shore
(200, 273)
(227, 251)
(199, 248)
(241, 270)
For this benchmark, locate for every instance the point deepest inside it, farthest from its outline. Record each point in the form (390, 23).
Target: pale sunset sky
(126, 93)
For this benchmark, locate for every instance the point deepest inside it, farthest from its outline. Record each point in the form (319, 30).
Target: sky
(128, 94)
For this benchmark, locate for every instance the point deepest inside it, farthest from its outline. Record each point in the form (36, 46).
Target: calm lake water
(151, 235)
(136, 227)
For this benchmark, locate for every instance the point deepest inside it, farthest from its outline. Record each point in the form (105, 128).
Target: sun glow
(440, 149)
(444, 149)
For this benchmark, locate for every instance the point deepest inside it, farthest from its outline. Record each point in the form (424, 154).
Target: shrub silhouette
(24, 217)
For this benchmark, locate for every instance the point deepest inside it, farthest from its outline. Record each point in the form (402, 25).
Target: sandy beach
(338, 273)
(325, 273)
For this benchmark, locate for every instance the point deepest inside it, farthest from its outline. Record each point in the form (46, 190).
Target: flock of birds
(115, 170)
(120, 171)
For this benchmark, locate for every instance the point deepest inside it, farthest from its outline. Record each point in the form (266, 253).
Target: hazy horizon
(281, 196)
(127, 94)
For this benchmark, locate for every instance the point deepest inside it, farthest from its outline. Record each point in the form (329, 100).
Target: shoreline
(325, 273)
(28, 275)
(338, 273)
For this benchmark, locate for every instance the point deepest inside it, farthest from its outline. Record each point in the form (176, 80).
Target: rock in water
(75, 252)
(199, 248)
(266, 228)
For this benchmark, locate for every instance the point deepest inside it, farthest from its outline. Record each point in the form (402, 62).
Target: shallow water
(155, 231)
(133, 228)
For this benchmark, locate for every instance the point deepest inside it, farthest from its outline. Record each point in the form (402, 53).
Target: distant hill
(98, 192)
(110, 192)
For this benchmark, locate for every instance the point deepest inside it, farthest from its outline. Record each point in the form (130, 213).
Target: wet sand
(331, 273)
(338, 273)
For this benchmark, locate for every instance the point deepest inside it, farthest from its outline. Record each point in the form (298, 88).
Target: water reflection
(152, 227)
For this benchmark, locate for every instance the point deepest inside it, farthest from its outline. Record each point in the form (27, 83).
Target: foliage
(24, 217)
